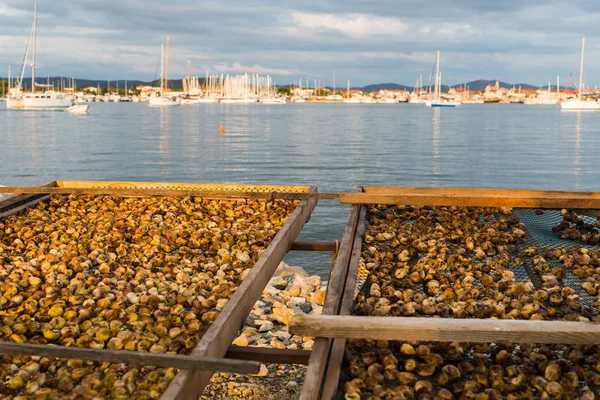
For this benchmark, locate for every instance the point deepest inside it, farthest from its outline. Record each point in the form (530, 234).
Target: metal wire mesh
(538, 234)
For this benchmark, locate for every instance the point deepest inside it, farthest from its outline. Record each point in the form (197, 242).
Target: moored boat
(272, 100)
(438, 100)
(163, 100)
(46, 100)
(208, 99)
(579, 104)
(78, 109)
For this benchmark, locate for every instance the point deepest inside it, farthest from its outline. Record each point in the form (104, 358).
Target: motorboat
(78, 109)
(163, 102)
(273, 100)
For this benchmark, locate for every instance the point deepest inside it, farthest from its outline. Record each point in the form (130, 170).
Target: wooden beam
(579, 201)
(337, 278)
(269, 355)
(396, 190)
(315, 246)
(216, 340)
(446, 329)
(334, 366)
(132, 357)
(170, 192)
(178, 185)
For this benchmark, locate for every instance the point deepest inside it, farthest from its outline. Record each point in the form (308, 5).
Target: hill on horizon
(481, 84)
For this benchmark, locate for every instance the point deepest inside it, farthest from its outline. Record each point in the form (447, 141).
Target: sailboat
(579, 104)
(437, 100)
(47, 100)
(415, 97)
(163, 101)
(350, 99)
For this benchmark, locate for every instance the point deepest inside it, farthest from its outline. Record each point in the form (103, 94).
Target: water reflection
(436, 141)
(577, 166)
(35, 144)
(164, 135)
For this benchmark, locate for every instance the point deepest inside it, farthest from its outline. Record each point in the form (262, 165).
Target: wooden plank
(131, 357)
(580, 201)
(176, 185)
(446, 329)
(269, 355)
(334, 366)
(315, 246)
(320, 353)
(169, 192)
(397, 190)
(217, 339)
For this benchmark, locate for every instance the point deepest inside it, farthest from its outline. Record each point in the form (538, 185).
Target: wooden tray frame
(216, 341)
(324, 368)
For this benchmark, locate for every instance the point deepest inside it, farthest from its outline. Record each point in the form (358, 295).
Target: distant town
(250, 86)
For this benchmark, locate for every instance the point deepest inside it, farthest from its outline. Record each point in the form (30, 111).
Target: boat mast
(188, 78)
(167, 66)
(334, 82)
(437, 76)
(581, 66)
(162, 68)
(34, 38)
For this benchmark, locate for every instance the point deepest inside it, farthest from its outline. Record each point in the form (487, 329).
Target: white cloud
(255, 69)
(364, 41)
(354, 25)
(12, 12)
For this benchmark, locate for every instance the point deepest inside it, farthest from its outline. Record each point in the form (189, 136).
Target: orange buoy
(221, 130)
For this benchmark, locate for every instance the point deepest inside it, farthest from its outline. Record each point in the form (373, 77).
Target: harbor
(246, 88)
(255, 88)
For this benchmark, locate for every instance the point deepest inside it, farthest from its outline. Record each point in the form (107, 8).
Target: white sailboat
(163, 101)
(271, 97)
(579, 104)
(437, 100)
(415, 97)
(350, 99)
(47, 100)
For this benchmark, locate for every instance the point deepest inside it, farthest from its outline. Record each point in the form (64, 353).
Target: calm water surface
(332, 146)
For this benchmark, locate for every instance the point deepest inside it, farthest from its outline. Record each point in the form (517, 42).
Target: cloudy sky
(370, 41)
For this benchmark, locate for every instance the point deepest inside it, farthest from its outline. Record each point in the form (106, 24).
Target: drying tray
(215, 342)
